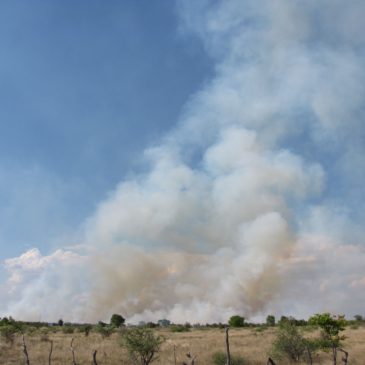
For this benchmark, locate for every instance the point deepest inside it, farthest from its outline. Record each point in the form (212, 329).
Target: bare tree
(270, 361)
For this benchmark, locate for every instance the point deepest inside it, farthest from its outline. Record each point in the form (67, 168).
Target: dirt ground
(252, 343)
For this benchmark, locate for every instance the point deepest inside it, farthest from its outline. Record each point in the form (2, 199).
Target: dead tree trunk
(94, 358)
(345, 357)
(270, 361)
(50, 354)
(25, 351)
(227, 348)
(73, 352)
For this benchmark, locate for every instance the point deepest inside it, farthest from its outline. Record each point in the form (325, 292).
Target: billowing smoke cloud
(252, 204)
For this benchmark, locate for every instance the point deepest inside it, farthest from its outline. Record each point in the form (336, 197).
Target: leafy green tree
(236, 321)
(142, 345)
(270, 320)
(358, 317)
(331, 327)
(117, 320)
(60, 322)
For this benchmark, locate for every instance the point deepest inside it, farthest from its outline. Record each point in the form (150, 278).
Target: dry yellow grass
(250, 343)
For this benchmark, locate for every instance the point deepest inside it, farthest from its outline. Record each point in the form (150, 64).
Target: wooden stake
(25, 351)
(227, 348)
(73, 352)
(50, 353)
(94, 357)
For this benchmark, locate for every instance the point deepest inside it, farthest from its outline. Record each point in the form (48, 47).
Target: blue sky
(187, 160)
(85, 86)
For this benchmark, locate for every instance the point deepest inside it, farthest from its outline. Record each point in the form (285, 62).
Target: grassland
(251, 343)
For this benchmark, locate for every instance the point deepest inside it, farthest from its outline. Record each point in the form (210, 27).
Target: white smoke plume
(252, 204)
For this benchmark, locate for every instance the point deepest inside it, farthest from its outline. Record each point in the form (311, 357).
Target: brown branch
(25, 351)
(175, 354)
(346, 356)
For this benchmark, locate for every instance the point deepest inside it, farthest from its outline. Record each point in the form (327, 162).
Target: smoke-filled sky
(187, 160)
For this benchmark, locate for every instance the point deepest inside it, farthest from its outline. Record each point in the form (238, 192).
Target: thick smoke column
(238, 211)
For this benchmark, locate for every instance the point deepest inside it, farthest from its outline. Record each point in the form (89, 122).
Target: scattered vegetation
(292, 340)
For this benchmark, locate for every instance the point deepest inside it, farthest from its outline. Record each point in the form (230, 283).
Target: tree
(358, 317)
(270, 320)
(142, 345)
(331, 327)
(117, 320)
(236, 321)
(60, 322)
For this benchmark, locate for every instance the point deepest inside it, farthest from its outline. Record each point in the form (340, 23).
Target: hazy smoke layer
(253, 203)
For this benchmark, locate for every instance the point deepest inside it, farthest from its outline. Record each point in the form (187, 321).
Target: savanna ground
(253, 344)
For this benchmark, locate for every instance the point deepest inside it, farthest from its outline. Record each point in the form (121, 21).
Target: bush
(7, 332)
(68, 329)
(236, 321)
(179, 328)
(289, 343)
(220, 358)
(85, 329)
(104, 331)
(142, 345)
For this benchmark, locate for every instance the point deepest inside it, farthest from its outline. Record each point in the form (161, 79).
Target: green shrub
(104, 331)
(142, 345)
(289, 343)
(68, 329)
(220, 358)
(7, 332)
(179, 328)
(85, 329)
